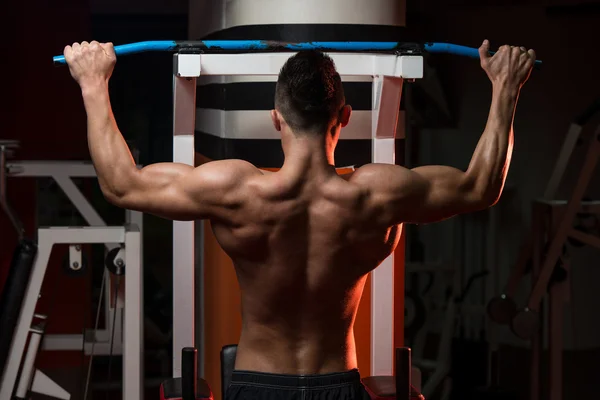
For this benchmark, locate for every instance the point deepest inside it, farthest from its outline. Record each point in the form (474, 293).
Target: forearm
(491, 159)
(110, 154)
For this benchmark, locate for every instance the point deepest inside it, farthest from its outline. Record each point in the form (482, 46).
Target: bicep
(182, 192)
(421, 195)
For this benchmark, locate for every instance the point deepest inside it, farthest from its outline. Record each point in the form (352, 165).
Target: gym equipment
(437, 367)
(502, 308)
(64, 173)
(188, 386)
(586, 223)
(548, 219)
(12, 295)
(554, 225)
(16, 284)
(75, 263)
(228, 46)
(557, 240)
(6, 149)
(19, 375)
(399, 386)
(402, 386)
(132, 340)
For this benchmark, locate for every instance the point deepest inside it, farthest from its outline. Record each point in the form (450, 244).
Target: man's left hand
(90, 63)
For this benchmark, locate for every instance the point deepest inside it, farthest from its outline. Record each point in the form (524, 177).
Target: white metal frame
(388, 72)
(62, 172)
(130, 236)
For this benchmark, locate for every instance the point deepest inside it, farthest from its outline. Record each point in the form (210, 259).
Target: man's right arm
(433, 193)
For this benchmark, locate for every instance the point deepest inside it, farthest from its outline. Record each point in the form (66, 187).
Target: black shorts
(247, 385)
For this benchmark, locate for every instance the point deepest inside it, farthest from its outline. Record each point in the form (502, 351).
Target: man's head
(309, 98)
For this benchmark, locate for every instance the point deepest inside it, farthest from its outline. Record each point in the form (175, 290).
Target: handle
(134, 48)
(456, 49)
(264, 45)
(189, 372)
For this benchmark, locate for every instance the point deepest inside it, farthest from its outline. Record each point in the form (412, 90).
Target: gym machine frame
(63, 172)
(20, 376)
(502, 308)
(33, 379)
(552, 226)
(388, 72)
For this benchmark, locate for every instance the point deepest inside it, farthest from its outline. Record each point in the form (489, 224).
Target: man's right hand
(510, 66)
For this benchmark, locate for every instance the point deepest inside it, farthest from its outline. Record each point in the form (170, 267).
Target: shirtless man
(302, 239)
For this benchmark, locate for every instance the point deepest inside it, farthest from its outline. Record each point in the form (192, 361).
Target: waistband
(296, 381)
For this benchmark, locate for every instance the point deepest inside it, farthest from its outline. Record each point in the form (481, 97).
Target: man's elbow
(114, 197)
(488, 197)
(119, 191)
(118, 195)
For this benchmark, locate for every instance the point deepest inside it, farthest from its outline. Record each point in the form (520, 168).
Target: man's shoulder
(374, 173)
(223, 176)
(229, 168)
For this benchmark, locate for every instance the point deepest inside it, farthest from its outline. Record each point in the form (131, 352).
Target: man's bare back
(302, 239)
(301, 253)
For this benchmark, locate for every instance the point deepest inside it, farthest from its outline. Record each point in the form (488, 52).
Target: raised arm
(433, 193)
(169, 190)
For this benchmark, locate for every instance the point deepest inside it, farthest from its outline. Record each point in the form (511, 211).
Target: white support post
(186, 70)
(28, 369)
(387, 92)
(9, 378)
(133, 340)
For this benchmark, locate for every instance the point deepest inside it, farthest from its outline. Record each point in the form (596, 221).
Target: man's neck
(308, 152)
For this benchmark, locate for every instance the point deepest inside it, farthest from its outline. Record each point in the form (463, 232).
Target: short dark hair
(309, 92)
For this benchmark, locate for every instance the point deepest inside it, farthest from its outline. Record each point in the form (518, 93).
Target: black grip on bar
(403, 373)
(189, 373)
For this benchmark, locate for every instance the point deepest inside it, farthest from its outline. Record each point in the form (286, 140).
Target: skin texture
(304, 238)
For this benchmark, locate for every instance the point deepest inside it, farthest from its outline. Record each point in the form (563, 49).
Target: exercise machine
(502, 309)
(557, 225)
(21, 345)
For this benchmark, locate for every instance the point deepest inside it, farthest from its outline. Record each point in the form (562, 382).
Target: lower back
(266, 349)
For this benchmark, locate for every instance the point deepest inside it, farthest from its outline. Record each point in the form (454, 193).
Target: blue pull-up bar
(209, 46)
